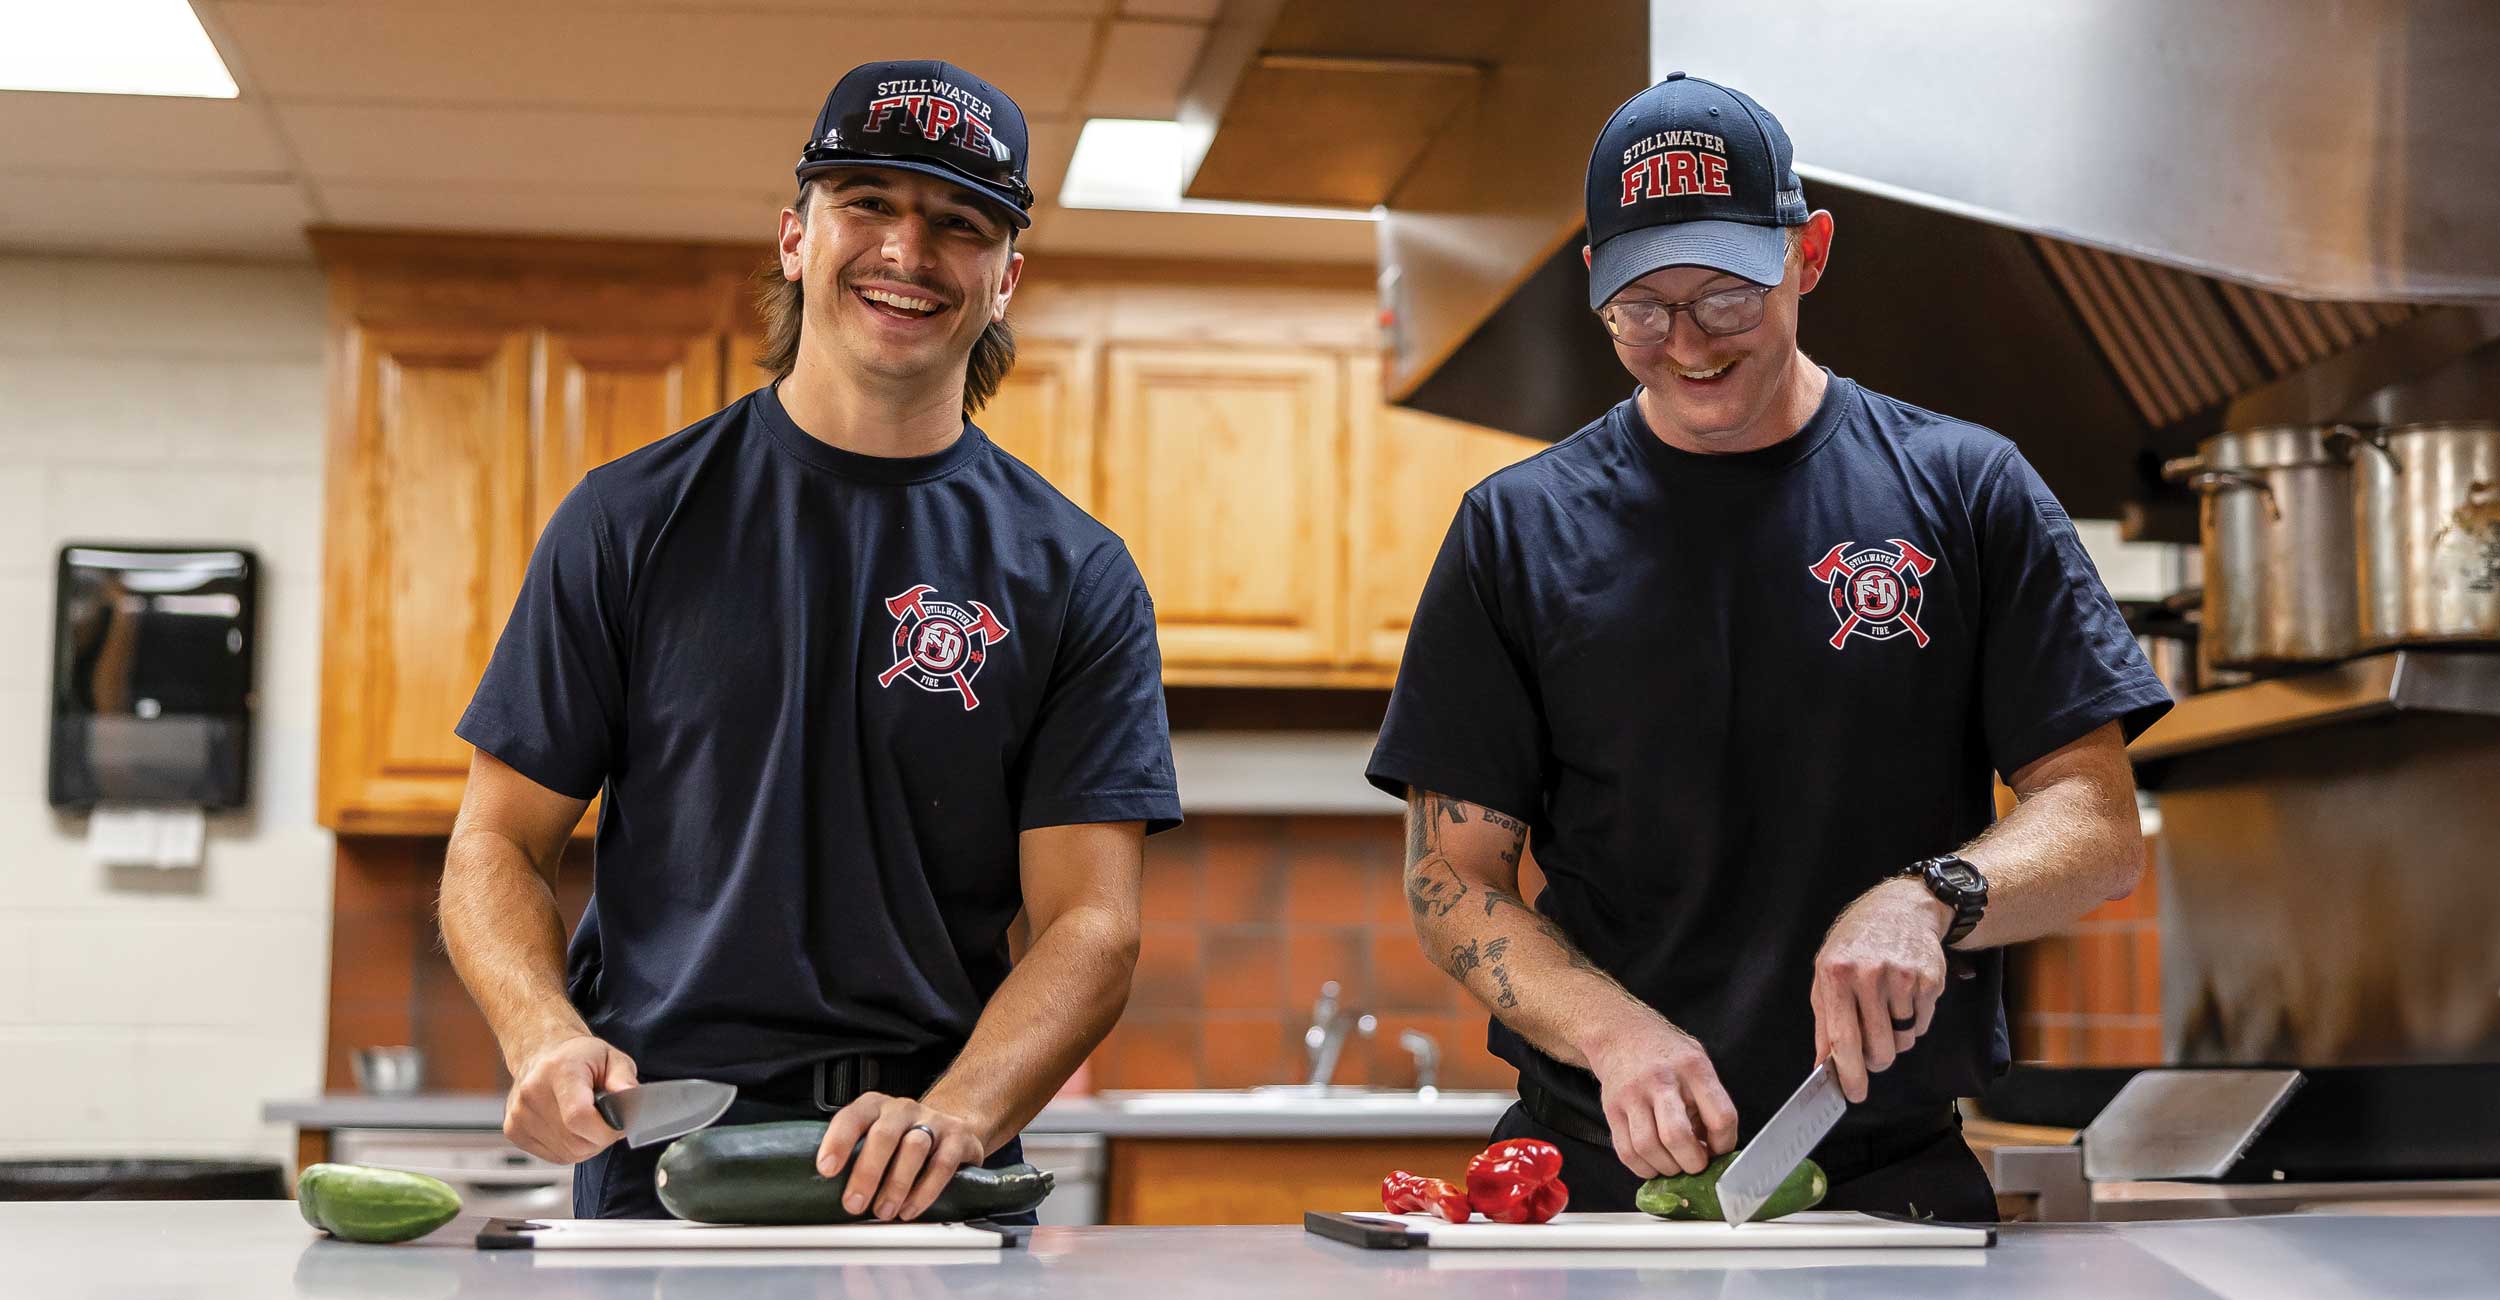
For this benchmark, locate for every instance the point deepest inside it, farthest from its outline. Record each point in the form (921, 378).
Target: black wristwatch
(1958, 885)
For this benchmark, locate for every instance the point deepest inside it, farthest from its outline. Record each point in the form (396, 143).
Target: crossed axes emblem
(1871, 590)
(939, 646)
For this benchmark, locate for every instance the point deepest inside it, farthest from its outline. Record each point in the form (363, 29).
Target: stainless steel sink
(1301, 1099)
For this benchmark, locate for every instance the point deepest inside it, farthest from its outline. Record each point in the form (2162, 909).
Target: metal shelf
(2429, 681)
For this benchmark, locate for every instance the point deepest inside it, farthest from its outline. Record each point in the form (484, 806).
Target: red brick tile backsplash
(1245, 916)
(2091, 994)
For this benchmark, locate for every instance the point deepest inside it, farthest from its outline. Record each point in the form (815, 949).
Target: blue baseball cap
(1690, 173)
(921, 115)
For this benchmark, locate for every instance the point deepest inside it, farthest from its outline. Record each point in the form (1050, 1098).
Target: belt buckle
(841, 1079)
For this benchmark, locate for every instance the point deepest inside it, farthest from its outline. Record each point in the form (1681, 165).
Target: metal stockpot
(2426, 503)
(2278, 546)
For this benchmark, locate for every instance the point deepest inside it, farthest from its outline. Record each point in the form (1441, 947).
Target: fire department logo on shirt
(939, 646)
(1875, 593)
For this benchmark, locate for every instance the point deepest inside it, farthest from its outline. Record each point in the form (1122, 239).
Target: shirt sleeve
(1463, 718)
(2056, 659)
(551, 699)
(1101, 747)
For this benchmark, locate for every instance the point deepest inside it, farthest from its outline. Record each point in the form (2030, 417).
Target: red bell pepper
(1518, 1181)
(1402, 1192)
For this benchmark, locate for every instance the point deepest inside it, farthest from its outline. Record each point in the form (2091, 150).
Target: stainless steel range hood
(2089, 223)
(2348, 150)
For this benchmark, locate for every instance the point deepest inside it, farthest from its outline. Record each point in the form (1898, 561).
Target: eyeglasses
(1642, 323)
(961, 143)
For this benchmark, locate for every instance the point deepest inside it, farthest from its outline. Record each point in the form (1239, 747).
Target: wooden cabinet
(1228, 424)
(607, 394)
(1249, 1180)
(1405, 473)
(1221, 468)
(429, 528)
(473, 382)
(1044, 414)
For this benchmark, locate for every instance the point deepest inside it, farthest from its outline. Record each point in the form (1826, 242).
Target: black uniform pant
(620, 1182)
(1923, 1170)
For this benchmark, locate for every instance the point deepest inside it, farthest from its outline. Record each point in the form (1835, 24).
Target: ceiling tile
(1144, 66)
(1054, 143)
(391, 145)
(136, 135)
(659, 60)
(1199, 234)
(1196, 11)
(984, 9)
(744, 216)
(155, 216)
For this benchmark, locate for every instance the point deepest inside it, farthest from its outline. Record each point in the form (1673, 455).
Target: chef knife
(656, 1112)
(1782, 1145)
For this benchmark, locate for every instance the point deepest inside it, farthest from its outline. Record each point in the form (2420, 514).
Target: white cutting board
(678, 1234)
(1632, 1230)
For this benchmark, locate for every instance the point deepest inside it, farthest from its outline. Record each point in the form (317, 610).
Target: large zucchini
(1696, 1196)
(356, 1203)
(766, 1173)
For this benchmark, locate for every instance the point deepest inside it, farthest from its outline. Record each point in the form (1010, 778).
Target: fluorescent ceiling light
(109, 47)
(1139, 166)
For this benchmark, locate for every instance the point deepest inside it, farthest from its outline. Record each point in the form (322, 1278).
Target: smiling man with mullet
(858, 688)
(1737, 661)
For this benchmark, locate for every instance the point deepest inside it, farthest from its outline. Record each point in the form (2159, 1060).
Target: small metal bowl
(388, 1071)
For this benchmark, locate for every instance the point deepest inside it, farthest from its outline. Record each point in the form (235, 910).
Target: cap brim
(1740, 248)
(1001, 198)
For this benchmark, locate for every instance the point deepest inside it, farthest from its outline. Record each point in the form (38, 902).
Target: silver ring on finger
(923, 1128)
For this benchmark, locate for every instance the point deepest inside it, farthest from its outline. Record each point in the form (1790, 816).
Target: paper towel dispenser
(152, 699)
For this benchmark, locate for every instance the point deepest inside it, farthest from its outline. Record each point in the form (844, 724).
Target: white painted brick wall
(141, 1011)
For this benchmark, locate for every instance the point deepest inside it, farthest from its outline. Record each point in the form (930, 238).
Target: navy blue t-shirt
(822, 693)
(1730, 693)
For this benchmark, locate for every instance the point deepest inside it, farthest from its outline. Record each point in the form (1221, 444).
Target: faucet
(1427, 1053)
(1325, 1039)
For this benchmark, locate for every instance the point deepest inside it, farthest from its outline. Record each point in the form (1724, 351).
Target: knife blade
(1782, 1145)
(656, 1112)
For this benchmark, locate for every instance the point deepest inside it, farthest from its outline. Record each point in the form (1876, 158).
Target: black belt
(1548, 1108)
(829, 1084)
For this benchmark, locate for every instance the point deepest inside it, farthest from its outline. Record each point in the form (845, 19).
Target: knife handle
(605, 1104)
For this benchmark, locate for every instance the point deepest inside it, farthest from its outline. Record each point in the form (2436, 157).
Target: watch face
(1961, 876)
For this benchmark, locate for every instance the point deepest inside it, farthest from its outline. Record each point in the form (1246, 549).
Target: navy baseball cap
(921, 115)
(1690, 173)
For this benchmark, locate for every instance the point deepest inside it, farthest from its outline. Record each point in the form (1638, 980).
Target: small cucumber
(766, 1173)
(1696, 1196)
(357, 1203)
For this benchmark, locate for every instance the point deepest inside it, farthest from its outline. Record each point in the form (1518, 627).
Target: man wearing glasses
(1740, 658)
(859, 688)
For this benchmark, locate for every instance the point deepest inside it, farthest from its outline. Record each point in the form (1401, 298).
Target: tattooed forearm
(1433, 888)
(1495, 899)
(1520, 965)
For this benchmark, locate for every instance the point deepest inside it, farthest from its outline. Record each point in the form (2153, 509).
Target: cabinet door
(607, 394)
(430, 529)
(1407, 472)
(740, 372)
(1044, 414)
(1219, 467)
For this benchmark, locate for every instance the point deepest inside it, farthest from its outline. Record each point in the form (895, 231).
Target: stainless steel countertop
(1211, 1114)
(213, 1250)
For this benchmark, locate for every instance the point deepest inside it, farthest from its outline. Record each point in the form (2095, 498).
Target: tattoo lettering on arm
(1505, 999)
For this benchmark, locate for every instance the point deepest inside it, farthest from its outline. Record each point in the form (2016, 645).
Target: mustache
(926, 287)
